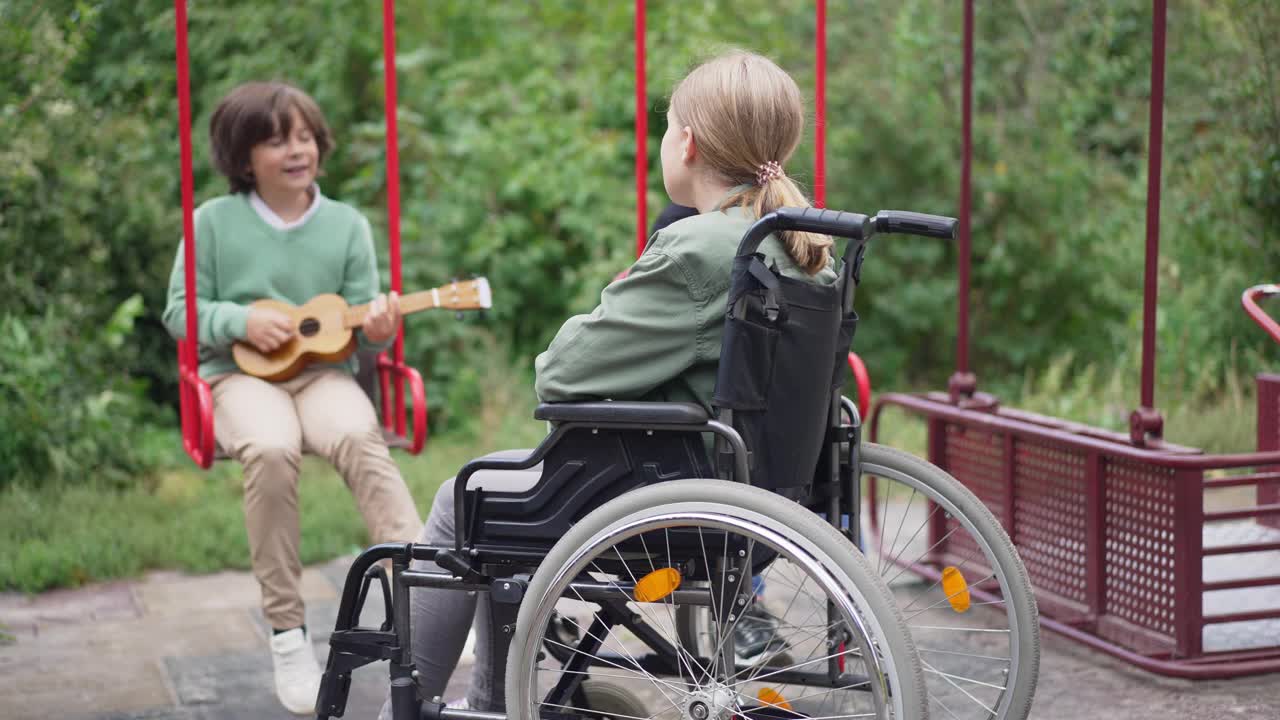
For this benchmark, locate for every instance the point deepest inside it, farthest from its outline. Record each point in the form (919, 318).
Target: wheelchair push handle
(902, 222)
(854, 226)
(826, 222)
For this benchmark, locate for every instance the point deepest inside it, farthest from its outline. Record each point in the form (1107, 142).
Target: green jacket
(656, 334)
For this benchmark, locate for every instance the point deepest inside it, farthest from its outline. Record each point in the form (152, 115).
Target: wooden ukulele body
(321, 337)
(325, 327)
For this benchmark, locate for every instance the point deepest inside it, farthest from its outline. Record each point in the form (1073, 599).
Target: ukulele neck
(411, 303)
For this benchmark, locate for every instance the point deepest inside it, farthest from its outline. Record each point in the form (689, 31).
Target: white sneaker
(297, 672)
(459, 704)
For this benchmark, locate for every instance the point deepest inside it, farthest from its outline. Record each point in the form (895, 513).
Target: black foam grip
(826, 222)
(912, 223)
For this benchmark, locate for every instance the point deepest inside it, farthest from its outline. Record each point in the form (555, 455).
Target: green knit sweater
(241, 258)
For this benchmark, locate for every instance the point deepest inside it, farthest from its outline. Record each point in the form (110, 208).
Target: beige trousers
(266, 427)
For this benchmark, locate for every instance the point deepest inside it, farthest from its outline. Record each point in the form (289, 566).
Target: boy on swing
(276, 236)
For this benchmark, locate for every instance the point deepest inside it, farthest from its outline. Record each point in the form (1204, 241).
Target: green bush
(70, 416)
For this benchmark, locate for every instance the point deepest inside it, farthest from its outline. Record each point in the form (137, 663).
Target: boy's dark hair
(255, 112)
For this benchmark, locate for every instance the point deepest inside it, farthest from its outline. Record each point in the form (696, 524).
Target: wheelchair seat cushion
(641, 413)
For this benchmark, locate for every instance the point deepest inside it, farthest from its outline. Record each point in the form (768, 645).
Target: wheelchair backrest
(781, 366)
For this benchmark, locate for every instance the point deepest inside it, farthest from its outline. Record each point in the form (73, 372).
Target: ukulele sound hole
(309, 327)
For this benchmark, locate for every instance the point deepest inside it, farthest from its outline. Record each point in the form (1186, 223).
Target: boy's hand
(268, 329)
(383, 320)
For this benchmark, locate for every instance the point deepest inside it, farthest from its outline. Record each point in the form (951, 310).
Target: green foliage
(516, 156)
(65, 413)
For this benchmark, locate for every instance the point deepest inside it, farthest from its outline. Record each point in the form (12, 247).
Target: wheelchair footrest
(350, 649)
(367, 644)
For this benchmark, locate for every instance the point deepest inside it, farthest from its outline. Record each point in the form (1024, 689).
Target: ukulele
(324, 328)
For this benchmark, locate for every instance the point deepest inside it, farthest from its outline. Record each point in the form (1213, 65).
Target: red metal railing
(1113, 535)
(1250, 302)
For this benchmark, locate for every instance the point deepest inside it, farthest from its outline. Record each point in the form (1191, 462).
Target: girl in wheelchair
(664, 565)
(733, 124)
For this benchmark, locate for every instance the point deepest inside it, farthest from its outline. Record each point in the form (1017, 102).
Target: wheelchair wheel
(959, 583)
(621, 574)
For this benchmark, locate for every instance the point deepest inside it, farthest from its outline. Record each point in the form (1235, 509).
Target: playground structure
(1122, 535)
(1159, 554)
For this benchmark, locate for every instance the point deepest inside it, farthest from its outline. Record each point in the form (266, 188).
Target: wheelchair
(621, 582)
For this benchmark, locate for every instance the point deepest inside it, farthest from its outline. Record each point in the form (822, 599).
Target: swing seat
(379, 376)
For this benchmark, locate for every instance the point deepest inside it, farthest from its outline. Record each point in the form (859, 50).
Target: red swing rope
(820, 107)
(393, 206)
(856, 366)
(642, 134)
(392, 372)
(195, 401)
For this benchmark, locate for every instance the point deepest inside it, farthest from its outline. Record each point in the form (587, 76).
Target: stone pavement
(178, 647)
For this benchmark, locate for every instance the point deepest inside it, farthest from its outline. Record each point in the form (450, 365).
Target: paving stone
(77, 685)
(174, 593)
(240, 685)
(23, 614)
(115, 665)
(174, 647)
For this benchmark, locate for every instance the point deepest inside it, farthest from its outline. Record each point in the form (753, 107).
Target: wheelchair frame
(469, 567)
(353, 646)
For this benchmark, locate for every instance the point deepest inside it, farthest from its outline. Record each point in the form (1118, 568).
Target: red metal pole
(820, 109)
(642, 135)
(194, 409)
(1146, 420)
(963, 383)
(393, 190)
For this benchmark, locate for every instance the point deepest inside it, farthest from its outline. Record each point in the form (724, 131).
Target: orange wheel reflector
(773, 698)
(956, 588)
(657, 585)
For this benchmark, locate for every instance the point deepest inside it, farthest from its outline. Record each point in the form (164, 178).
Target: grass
(191, 520)
(1218, 418)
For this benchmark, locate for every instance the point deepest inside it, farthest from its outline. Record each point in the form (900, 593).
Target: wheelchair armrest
(628, 412)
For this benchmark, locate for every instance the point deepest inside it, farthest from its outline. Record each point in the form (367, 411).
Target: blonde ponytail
(747, 115)
(809, 250)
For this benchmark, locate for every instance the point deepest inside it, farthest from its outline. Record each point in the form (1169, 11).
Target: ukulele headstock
(466, 295)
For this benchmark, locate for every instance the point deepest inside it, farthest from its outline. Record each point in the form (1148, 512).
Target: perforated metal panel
(1049, 512)
(976, 458)
(1139, 554)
